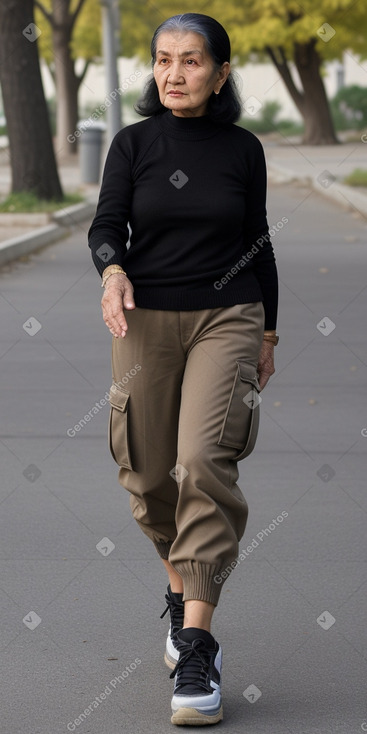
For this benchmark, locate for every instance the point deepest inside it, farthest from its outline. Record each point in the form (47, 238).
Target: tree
(297, 37)
(70, 30)
(33, 163)
(302, 35)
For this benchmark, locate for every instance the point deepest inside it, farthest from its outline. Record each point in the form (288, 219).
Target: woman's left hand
(265, 365)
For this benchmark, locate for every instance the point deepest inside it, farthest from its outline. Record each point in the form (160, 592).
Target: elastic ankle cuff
(201, 580)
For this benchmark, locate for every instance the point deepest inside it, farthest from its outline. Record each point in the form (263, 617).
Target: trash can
(90, 142)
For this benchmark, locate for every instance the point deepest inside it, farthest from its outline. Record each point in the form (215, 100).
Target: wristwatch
(271, 336)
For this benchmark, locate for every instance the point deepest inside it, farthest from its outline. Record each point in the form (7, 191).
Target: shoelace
(192, 666)
(176, 613)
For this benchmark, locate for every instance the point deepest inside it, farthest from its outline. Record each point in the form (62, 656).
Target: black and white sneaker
(175, 605)
(197, 696)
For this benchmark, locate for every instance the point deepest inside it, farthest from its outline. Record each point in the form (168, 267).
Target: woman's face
(185, 73)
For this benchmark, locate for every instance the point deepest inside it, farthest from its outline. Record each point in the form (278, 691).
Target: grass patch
(358, 177)
(266, 120)
(27, 202)
(289, 128)
(285, 128)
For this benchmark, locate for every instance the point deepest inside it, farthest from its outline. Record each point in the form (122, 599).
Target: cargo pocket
(241, 422)
(118, 437)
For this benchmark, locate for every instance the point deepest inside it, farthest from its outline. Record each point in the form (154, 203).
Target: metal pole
(110, 53)
(340, 76)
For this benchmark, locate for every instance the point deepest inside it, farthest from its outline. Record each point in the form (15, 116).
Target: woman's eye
(165, 61)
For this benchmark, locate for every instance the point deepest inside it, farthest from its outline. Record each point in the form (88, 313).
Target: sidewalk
(291, 619)
(69, 171)
(21, 234)
(322, 168)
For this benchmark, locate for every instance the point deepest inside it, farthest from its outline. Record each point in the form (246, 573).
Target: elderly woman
(191, 303)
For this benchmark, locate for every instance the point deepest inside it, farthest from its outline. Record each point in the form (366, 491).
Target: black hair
(225, 107)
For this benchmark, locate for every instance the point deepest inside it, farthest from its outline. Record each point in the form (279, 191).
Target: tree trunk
(319, 127)
(32, 155)
(67, 86)
(312, 101)
(67, 82)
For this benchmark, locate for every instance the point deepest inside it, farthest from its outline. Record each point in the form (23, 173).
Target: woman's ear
(224, 72)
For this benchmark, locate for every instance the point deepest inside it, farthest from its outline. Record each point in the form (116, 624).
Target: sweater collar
(187, 128)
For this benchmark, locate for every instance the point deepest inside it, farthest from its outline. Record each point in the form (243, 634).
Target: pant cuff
(163, 548)
(202, 581)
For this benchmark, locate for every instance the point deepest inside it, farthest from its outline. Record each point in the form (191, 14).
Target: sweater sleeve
(108, 234)
(257, 239)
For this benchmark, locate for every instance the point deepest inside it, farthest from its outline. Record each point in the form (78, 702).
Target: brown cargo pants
(184, 409)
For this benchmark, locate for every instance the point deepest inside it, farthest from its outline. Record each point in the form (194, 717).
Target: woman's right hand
(118, 295)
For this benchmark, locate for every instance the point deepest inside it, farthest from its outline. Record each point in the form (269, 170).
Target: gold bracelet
(111, 270)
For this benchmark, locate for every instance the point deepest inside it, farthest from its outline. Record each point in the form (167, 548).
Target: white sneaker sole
(169, 661)
(171, 655)
(193, 717)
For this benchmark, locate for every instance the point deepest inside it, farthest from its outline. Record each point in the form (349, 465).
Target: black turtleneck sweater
(193, 192)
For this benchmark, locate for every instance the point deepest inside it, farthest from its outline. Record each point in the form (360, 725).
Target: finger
(112, 307)
(116, 329)
(118, 322)
(128, 299)
(117, 316)
(114, 320)
(262, 381)
(264, 378)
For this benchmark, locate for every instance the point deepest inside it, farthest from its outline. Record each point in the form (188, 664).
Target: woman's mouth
(173, 93)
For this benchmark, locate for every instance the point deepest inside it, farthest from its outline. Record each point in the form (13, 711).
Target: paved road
(292, 618)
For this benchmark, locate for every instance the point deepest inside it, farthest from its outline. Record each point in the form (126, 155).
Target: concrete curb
(347, 196)
(26, 243)
(63, 221)
(280, 174)
(74, 214)
(21, 219)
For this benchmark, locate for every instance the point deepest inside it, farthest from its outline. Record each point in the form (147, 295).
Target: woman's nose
(175, 72)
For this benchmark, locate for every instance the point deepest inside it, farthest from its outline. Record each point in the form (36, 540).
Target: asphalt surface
(292, 616)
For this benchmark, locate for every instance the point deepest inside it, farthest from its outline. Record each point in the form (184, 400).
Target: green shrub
(267, 121)
(349, 108)
(51, 106)
(358, 177)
